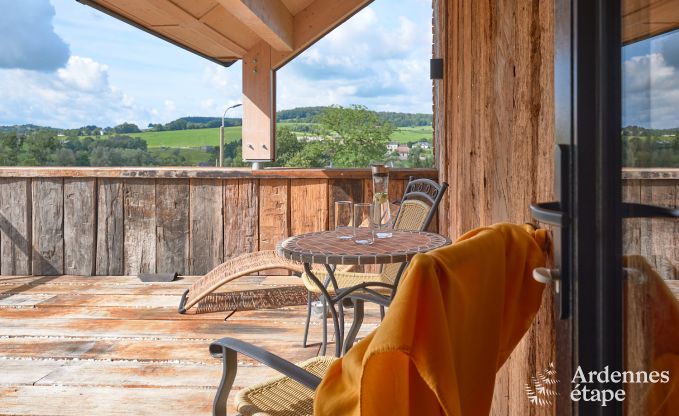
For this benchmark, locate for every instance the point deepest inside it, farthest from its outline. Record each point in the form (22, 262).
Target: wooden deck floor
(114, 345)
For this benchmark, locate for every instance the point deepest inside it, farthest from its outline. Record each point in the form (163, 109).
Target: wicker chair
(418, 206)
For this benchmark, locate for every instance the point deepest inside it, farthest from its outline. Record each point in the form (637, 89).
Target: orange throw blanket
(458, 314)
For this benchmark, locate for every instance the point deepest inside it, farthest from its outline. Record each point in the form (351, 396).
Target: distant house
(391, 147)
(310, 138)
(423, 145)
(403, 152)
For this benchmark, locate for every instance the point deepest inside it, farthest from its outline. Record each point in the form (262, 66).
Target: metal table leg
(330, 301)
(355, 326)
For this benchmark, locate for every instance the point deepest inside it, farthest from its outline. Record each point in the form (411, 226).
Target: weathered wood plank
(48, 226)
(308, 206)
(241, 217)
(274, 222)
(132, 374)
(146, 350)
(282, 331)
(121, 301)
(72, 400)
(94, 288)
(15, 226)
(23, 299)
(274, 215)
(172, 226)
(80, 226)
(292, 313)
(140, 226)
(207, 225)
(660, 237)
(110, 227)
(631, 230)
(17, 372)
(342, 190)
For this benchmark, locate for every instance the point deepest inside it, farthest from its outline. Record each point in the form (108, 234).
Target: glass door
(615, 226)
(650, 177)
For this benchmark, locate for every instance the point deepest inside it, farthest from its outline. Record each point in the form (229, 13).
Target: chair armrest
(228, 348)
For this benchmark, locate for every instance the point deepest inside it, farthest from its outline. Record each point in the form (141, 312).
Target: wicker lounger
(243, 265)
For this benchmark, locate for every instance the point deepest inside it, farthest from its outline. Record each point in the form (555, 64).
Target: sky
(63, 64)
(650, 82)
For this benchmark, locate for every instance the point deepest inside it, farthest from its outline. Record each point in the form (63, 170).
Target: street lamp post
(221, 136)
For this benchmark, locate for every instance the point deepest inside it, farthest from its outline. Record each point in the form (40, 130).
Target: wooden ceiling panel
(646, 18)
(197, 8)
(226, 24)
(296, 6)
(138, 11)
(196, 40)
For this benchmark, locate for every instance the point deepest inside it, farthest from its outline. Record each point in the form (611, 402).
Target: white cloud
(28, 39)
(85, 75)
(77, 95)
(650, 92)
(378, 58)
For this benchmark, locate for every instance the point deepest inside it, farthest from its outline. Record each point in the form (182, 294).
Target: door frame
(588, 121)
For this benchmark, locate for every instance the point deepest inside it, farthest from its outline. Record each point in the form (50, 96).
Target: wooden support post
(259, 114)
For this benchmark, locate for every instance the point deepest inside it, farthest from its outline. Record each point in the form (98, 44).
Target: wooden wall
(495, 139)
(116, 223)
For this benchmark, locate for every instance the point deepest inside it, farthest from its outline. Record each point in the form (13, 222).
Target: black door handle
(632, 210)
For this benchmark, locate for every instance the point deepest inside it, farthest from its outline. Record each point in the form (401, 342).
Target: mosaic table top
(325, 248)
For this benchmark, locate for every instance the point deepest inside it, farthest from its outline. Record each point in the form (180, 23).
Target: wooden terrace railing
(126, 221)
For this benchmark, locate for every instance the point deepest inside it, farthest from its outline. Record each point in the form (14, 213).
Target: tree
(64, 157)
(357, 136)
(38, 149)
(313, 155)
(287, 146)
(126, 128)
(9, 149)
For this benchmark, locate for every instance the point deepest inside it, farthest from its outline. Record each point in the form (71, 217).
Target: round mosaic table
(325, 248)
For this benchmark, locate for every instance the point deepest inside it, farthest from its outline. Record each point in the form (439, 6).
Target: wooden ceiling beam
(268, 19)
(315, 21)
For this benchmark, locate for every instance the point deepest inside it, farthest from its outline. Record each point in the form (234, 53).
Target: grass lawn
(210, 137)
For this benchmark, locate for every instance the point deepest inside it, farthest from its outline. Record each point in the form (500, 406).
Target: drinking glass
(364, 229)
(385, 215)
(343, 223)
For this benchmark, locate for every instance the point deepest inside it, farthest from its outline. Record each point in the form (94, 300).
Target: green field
(188, 138)
(210, 137)
(412, 134)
